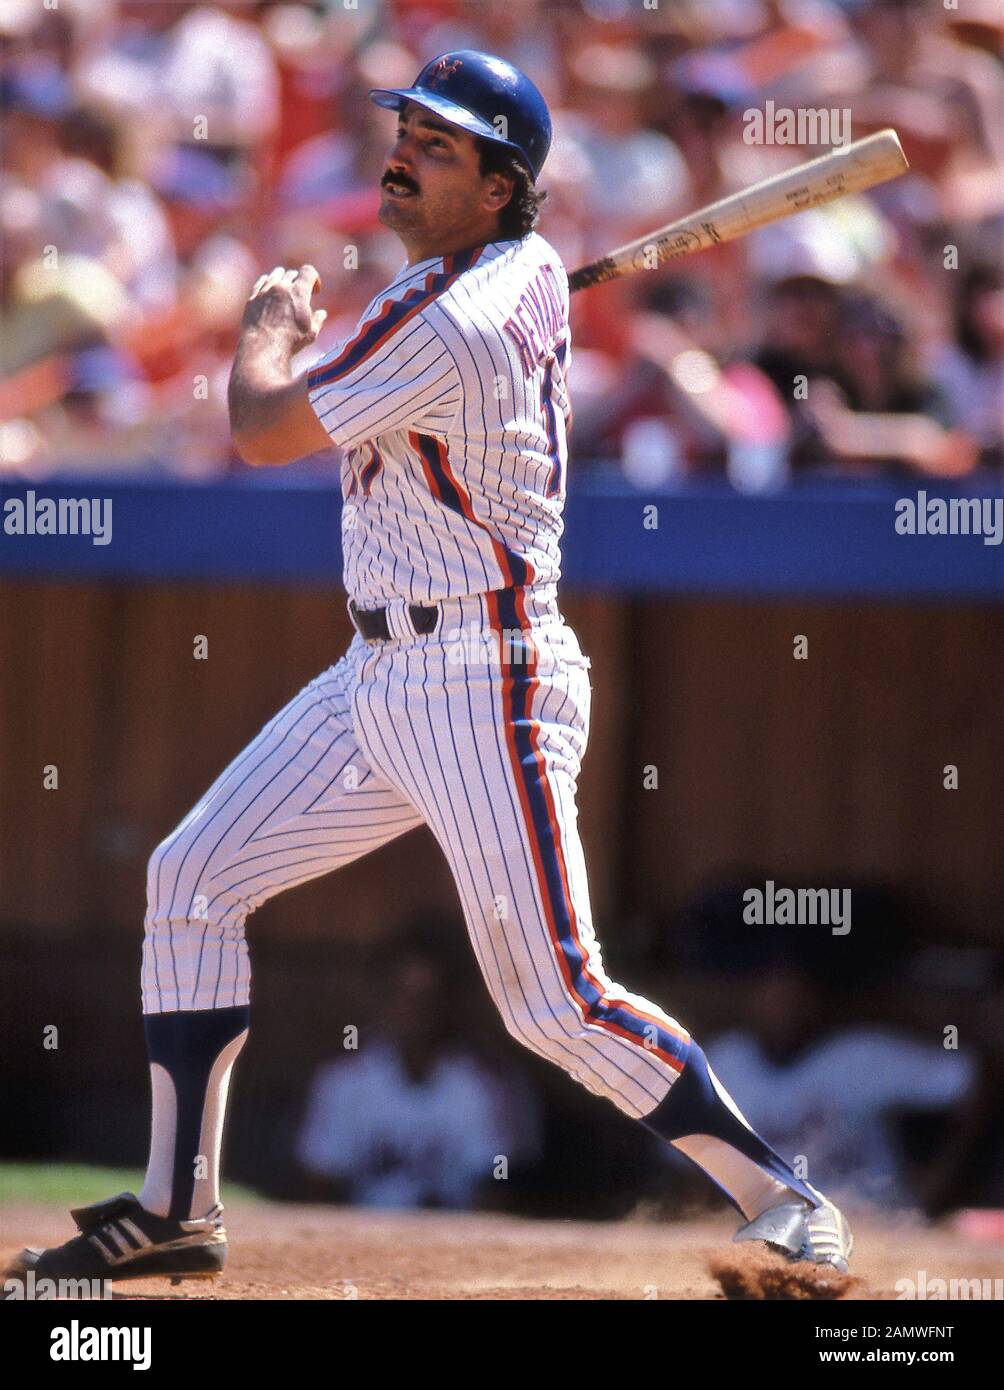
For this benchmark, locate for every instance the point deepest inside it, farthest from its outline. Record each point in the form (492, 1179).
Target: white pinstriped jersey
(449, 403)
(450, 406)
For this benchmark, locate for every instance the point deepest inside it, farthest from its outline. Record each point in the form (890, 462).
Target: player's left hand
(280, 303)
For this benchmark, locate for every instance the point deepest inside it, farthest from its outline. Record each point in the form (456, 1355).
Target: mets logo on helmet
(444, 69)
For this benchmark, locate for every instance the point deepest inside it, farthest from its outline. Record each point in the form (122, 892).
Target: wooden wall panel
(54, 667)
(832, 765)
(829, 765)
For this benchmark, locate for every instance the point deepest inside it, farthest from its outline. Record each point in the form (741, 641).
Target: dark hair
(677, 295)
(93, 134)
(866, 314)
(519, 216)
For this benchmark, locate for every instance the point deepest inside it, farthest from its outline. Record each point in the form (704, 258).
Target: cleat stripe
(114, 1237)
(107, 1255)
(136, 1238)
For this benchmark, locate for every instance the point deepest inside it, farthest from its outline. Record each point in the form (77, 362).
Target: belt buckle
(373, 624)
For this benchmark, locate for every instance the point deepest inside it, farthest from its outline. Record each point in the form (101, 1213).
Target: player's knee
(173, 877)
(158, 871)
(547, 1029)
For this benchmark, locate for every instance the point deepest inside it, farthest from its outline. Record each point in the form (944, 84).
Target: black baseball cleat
(119, 1239)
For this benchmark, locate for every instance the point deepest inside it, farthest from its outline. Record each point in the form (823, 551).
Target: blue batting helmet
(474, 90)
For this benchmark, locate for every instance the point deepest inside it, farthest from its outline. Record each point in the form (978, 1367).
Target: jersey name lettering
(537, 319)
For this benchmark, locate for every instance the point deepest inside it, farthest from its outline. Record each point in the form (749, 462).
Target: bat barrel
(850, 169)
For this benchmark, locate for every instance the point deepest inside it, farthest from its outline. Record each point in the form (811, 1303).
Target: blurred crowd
(160, 154)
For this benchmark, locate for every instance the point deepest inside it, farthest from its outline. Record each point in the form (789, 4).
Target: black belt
(371, 623)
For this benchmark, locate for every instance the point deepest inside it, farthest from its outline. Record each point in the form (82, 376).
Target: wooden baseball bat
(850, 169)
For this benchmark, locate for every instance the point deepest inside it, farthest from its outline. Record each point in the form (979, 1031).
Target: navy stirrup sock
(196, 1050)
(698, 1105)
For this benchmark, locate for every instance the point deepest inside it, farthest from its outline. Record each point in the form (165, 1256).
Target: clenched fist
(280, 304)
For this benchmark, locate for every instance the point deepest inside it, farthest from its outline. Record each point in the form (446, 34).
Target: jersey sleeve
(393, 373)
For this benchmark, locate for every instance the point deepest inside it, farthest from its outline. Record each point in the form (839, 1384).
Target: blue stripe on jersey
(397, 312)
(447, 490)
(551, 426)
(370, 470)
(444, 487)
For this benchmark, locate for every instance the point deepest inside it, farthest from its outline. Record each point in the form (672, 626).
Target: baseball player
(461, 703)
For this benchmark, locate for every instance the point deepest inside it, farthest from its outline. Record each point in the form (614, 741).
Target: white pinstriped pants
(482, 742)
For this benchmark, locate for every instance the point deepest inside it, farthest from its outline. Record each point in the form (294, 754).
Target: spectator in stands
(885, 414)
(338, 171)
(686, 405)
(413, 1118)
(813, 1086)
(637, 177)
(52, 302)
(35, 95)
(141, 247)
(798, 351)
(970, 367)
(189, 62)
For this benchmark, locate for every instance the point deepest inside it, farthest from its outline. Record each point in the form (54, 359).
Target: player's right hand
(280, 303)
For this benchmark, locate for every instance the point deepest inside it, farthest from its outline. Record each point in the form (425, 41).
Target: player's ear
(497, 191)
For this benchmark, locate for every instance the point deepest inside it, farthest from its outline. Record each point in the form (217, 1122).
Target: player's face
(433, 192)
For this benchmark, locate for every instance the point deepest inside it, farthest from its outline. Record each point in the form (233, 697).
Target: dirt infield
(289, 1252)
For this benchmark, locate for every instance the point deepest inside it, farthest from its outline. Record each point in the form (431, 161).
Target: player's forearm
(259, 380)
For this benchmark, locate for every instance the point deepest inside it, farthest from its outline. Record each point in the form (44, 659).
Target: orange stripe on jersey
(520, 707)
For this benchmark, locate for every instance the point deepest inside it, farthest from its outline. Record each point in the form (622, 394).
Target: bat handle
(592, 274)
